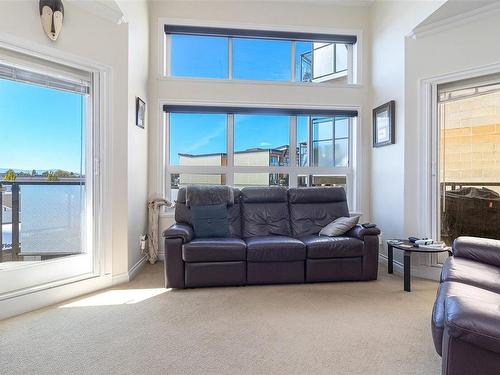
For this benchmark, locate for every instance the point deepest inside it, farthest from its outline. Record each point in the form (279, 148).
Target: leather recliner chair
(466, 315)
(273, 239)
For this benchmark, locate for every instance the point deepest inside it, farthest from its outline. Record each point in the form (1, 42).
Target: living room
(231, 186)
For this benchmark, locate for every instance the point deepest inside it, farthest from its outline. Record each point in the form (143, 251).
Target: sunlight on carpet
(117, 297)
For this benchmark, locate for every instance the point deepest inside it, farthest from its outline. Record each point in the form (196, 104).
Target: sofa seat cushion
(214, 250)
(274, 249)
(322, 247)
(451, 288)
(470, 272)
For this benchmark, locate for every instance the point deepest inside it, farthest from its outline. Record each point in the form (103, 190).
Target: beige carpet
(139, 328)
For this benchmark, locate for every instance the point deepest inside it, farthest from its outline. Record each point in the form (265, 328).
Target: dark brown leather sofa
(466, 315)
(274, 239)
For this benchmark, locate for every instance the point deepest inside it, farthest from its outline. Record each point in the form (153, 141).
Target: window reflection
(322, 140)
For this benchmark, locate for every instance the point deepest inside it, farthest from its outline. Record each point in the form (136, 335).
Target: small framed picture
(140, 113)
(384, 124)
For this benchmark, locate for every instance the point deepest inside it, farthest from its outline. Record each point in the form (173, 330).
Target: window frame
(354, 58)
(292, 170)
(97, 158)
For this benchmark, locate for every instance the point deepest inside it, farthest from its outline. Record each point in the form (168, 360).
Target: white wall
(466, 45)
(137, 17)
(391, 22)
(262, 14)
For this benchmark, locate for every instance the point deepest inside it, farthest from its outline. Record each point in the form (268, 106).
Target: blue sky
(264, 131)
(40, 128)
(253, 59)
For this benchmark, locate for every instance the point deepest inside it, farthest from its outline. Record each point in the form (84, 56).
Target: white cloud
(204, 140)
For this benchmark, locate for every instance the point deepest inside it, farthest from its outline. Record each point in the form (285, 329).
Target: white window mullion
(230, 57)
(348, 191)
(230, 150)
(292, 57)
(165, 136)
(350, 64)
(354, 147)
(166, 55)
(292, 169)
(310, 151)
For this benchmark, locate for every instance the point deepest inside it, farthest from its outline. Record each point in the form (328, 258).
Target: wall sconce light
(52, 14)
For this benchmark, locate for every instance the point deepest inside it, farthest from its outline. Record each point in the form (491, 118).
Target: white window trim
(102, 142)
(354, 63)
(428, 173)
(352, 172)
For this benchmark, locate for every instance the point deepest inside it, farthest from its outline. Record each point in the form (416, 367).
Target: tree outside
(10, 175)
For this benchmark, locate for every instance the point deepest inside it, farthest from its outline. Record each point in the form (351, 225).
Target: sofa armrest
(473, 321)
(479, 249)
(182, 231)
(370, 257)
(360, 232)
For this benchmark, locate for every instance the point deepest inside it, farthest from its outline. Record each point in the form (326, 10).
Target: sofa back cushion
(265, 211)
(311, 209)
(183, 213)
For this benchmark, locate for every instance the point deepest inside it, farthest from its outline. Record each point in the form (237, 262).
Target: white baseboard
(424, 272)
(136, 268)
(50, 296)
(125, 277)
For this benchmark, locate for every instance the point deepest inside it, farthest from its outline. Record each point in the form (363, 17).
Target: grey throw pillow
(339, 226)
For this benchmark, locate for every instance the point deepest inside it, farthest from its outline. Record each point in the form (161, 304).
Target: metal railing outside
(307, 61)
(14, 248)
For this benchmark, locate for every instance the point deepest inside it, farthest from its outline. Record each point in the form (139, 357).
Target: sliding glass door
(46, 192)
(469, 158)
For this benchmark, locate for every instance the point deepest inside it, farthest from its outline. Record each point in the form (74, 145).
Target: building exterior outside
(325, 62)
(256, 157)
(470, 140)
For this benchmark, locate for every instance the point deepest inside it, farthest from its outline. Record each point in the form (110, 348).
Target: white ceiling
(454, 8)
(328, 2)
(107, 9)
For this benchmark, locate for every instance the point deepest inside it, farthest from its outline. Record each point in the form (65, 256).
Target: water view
(42, 179)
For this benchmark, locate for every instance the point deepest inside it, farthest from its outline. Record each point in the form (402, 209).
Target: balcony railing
(307, 73)
(306, 69)
(52, 218)
(470, 208)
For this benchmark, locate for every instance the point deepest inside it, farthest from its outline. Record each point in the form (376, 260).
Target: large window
(258, 55)
(47, 179)
(469, 159)
(252, 147)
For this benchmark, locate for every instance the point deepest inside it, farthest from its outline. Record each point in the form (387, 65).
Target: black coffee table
(408, 248)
